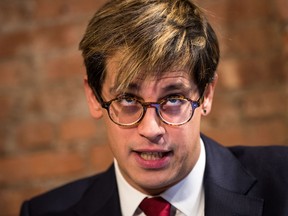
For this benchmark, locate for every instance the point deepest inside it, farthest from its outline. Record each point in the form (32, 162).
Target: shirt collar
(187, 196)
(130, 198)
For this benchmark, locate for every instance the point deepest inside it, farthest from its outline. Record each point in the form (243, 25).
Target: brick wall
(47, 136)
(251, 103)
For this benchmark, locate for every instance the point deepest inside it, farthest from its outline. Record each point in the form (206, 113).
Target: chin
(155, 185)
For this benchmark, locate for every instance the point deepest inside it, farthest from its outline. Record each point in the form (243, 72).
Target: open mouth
(153, 160)
(150, 156)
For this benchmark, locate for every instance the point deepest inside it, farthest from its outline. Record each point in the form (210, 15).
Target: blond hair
(153, 37)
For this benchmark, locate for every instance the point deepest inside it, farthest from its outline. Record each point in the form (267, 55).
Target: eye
(127, 100)
(173, 101)
(127, 106)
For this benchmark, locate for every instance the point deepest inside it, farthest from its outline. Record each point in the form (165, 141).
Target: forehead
(176, 76)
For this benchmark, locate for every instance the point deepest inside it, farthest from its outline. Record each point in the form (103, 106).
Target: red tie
(156, 206)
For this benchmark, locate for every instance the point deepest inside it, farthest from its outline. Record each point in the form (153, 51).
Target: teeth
(151, 155)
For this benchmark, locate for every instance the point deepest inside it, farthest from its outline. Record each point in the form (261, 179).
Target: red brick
(229, 74)
(230, 12)
(253, 39)
(246, 10)
(101, 157)
(14, 72)
(12, 198)
(41, 39)
(3, 135)
(225, 110)
(58, 100)
(211, 7)
(286, 77)
(77, 129)
(285, 43)
(228, 135)
(45, 39)
(14, 43)
(261, 71)
(13, 12)
(63, 66)
(45, 10)
(238, 73)
(41, 165)
(6, 108)
(267, 132)
(35, 134)
(282, 6)
(264, 103)
(87, 6)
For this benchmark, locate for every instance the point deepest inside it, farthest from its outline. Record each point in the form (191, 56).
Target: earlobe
(94, 106)
(208, 96)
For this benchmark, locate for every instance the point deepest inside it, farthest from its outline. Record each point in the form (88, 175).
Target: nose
(151, 126)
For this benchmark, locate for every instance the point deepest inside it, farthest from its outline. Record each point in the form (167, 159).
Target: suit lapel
(102, 198)
(227, 184)
(219, 201)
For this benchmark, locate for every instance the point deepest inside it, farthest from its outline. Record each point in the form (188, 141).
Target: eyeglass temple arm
(98, 97)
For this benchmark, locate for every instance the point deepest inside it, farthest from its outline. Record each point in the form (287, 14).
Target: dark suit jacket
(247, 181)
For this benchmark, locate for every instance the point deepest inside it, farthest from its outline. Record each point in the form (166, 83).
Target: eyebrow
(176, 86)
(131, 87)
(134, 87)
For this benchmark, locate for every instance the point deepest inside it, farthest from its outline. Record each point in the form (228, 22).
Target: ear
(208, 96)
(94, 106)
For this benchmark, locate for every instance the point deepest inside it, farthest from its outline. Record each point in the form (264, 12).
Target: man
(151, 74)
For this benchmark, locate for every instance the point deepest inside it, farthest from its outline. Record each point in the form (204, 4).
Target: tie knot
(155, 206)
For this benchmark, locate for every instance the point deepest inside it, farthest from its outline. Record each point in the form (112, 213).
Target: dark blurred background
(47, 136)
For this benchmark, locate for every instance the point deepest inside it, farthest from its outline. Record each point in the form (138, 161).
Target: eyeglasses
(128, 110)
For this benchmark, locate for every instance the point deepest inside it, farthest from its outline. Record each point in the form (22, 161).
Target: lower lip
(153, 164)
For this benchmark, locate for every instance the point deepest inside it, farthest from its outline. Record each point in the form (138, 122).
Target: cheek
(114, 137)
(186, 146)
(187, 138)
(190, 132)
(118, 138)
(188, 150)
(197, 114)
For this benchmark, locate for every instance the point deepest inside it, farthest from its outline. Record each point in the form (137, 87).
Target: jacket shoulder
(61, 198)
(267, 164)
(268, 157)
(264, 175)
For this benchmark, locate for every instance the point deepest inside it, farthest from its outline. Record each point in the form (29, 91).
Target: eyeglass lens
(129, 111)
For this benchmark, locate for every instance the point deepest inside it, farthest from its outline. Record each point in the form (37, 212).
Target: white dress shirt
(186, 197)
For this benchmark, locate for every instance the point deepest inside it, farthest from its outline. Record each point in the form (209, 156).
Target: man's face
(152, 156)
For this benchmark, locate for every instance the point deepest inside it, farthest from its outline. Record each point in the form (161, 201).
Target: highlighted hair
(152, 36)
